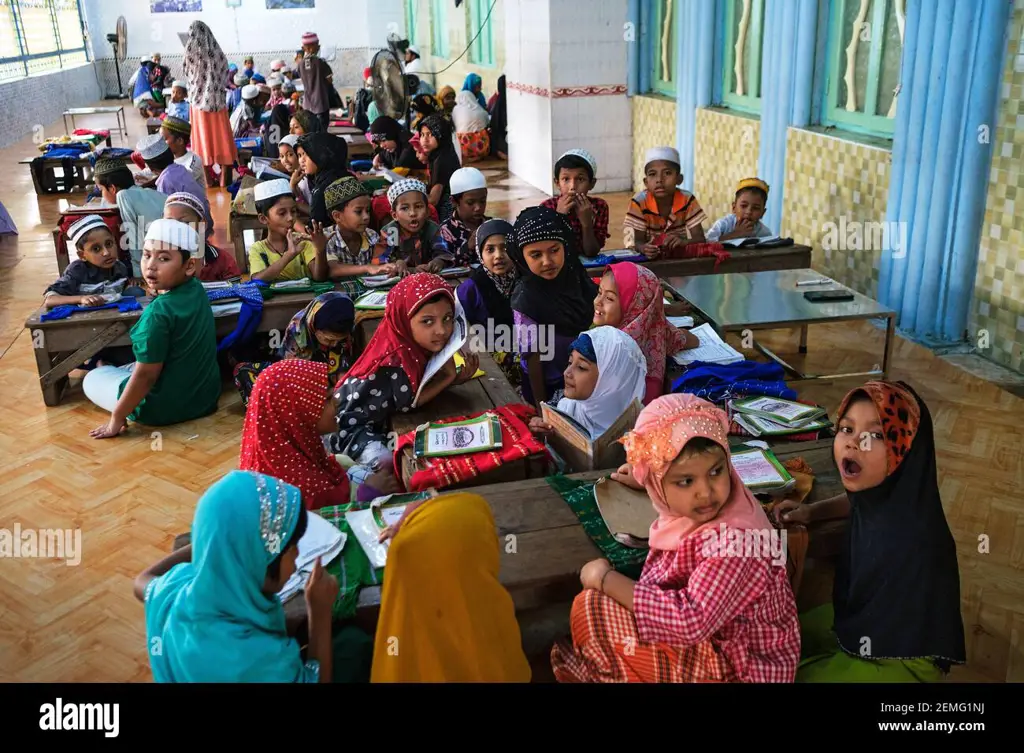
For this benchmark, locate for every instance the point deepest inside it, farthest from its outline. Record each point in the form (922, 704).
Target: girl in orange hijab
(713, 603)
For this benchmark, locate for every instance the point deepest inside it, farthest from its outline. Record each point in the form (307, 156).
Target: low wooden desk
(551, 546)
(358, 145)
(740, 260)
(63, 345)
(153, 125)
(83, 180)
(344, 131)
(116, 110)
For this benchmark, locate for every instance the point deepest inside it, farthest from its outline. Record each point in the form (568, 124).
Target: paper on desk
(712, 349)
(322, 540)
(680, 321)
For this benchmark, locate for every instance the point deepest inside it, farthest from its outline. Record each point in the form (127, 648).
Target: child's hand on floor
(789, 512)
(540, 427)
(109, 429)
(592, 574)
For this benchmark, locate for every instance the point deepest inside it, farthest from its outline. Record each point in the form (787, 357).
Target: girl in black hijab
(392, 142)
(442, 161)
(324, 159)
(895, 612)
(423, 106)
(553, 291)
(499, 123)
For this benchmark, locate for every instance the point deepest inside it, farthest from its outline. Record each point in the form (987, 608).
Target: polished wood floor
(81, 623)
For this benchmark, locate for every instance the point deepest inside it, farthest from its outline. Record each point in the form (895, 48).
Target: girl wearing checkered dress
(703, 610)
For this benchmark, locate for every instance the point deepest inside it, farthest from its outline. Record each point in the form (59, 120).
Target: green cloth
(352, 569)
(352, 652)
(822, 659)
(579, 495)
(316, 288)
(177, 330)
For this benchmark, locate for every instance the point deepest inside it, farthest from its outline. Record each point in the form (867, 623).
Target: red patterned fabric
(517, 442)
(692, 250)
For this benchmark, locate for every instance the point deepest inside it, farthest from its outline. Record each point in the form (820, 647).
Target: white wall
(250, 28)
(40, 100)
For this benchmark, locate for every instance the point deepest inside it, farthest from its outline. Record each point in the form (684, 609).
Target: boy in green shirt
(175, 377)
(285, 255)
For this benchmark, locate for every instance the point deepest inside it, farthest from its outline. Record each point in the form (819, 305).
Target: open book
(368, 524)
(581, 452)
(262, 169)
(712, 349)
(772, 242)
(321, 539)
(460, 334)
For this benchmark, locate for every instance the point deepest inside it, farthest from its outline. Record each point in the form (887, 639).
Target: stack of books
(774, 416)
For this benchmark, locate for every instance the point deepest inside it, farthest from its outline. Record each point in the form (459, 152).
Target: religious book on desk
(368, 524)
(773, 242)
(577, 451)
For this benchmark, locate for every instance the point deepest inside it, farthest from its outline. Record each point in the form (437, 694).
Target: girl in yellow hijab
(444, 616)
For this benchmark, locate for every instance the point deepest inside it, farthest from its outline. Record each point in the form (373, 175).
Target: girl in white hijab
(595, 403)
(468, 116)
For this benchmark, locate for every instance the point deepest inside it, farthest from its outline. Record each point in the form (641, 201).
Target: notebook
(712, 349)
(458, 339)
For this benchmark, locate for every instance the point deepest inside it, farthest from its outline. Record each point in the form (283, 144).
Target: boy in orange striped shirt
(663, 209)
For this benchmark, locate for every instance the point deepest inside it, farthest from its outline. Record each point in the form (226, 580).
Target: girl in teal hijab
(212, 610)
(475, 84)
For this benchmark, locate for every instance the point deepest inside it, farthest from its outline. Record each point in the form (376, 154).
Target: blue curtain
(950, 79)
(633, 54)
(695, 28)
(787, 65)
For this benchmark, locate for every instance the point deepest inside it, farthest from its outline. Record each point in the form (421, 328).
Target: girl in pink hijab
(631, 299)
(713, 603)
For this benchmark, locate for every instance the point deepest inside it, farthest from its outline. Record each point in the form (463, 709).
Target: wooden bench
(551, 547)
(65, 344)
(237, 225)
(740, 260)
(49, 181)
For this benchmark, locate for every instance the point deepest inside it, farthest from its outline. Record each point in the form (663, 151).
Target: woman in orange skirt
(206, 69)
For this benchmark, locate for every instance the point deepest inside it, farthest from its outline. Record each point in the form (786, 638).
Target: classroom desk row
(552, 546)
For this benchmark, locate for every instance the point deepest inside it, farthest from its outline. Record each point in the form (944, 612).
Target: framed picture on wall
(290, 4)
(175, 6)
(234, 3)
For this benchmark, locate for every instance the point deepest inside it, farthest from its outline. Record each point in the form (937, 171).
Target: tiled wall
(459, 35)
(998, 305)
(40, 100)
(654, 124)
(832, 180)
(725, 151)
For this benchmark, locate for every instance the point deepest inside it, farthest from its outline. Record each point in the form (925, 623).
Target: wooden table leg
(890, 327)
(803, 339)
(57, 375)
(52, 391)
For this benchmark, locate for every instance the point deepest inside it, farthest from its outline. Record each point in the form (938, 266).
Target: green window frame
(663, 42)
(478, 19)
(411, 20)
(743, 92)
(439, 28)
(871, 55)
(39, 36)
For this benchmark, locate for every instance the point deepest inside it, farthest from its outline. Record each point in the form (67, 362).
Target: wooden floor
(81, 623)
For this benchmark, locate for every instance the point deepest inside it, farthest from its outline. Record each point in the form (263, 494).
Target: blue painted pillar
(942, 152)
(645, 50)
(633, 48)
(787, 65)
(695, 28)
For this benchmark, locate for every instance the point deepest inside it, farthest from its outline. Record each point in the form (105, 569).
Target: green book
(480, 434)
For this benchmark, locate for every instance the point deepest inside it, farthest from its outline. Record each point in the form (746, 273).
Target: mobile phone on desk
(828, 296)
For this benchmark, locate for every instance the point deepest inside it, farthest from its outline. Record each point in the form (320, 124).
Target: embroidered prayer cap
(310, 37)
(277, 65)
(250, 91)
(185, 199)
(662, 153)
(343, 191)
(752, 183)
(84, 226)
(152, 146)
(180, 84)
(176, 234)
(108, 165)
(584, 155)
(466, 179)
(241, 79)
(275, 80)
(405, 186)
(268, 189)
(177, 125)
(290, 140)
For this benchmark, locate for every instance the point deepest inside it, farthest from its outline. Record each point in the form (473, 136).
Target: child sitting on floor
(469, 196)
(95, 272)
(213, 264)
(605, 375)
(895, 611)
(172, 177)
(350, 247)
(419, 320)
(701, 611)
(630, 297)
(575, 178)
(284, 255)
(747, 210)
(412, 242)
(662, 209)
(175, 377)
(178, 107)
(553, 296)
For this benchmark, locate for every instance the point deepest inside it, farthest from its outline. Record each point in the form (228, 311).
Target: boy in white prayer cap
(469, 197)
(175, 376)
(177, 107)
(575, 178)
(96, 271)
(285, 254)
(663, 217)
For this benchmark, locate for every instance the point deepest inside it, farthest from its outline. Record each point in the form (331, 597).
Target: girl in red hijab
(631, 299)
(288, 411)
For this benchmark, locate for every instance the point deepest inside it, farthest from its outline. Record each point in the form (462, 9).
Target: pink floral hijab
(643, 316)
(662, 430)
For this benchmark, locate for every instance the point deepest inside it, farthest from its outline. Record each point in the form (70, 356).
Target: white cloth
(621, 378)
(416, 66)
(663, 153)
(102, 384)
(191, 162)
(468, 116)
